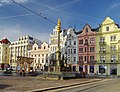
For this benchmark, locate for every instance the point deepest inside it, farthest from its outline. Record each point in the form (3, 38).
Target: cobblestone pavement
(109, 85)
(21, 84)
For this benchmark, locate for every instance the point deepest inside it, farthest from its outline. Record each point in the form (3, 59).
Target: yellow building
(108, 48)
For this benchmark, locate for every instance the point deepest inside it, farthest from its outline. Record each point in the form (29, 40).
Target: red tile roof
(5, 41)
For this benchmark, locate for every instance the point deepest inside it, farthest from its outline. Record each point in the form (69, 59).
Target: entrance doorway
(80, 68)
(113, 69)
(91, 69)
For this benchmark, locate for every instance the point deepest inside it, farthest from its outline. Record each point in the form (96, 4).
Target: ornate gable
(108, 25)
(107, 21)
(86, 29)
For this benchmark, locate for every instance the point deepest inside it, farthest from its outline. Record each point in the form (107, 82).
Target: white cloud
(13, 32)
(42, 36)
(114, 5)
(10, 1)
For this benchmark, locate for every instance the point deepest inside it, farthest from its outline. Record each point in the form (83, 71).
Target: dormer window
(86, 30)
(107, 28)
(44, 47)
(35, 48)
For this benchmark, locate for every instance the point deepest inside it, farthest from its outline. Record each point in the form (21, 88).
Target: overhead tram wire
(50, 8)
(39, 14)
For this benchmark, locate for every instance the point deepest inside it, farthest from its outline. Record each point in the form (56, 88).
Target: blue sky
(15, 21)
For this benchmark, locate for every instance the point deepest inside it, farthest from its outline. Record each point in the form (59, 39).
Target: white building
(53, 41)
(68, 46)
(40, 55)
(4, 51)
(70, 49)
(21, 48)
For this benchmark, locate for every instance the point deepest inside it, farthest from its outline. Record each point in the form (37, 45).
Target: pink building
(86, 49)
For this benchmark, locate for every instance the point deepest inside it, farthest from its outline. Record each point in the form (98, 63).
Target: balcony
(102, 51)
(102, 61)
(86, 44)
(114, 61)
(102, 43)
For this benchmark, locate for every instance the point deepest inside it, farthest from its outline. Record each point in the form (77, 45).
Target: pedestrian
(18, 69)
(23, 70)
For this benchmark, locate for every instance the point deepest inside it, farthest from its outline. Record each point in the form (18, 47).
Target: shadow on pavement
(3, 86)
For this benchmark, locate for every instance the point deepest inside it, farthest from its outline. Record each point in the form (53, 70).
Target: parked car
(8, 72)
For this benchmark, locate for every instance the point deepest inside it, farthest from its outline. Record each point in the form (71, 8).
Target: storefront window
(91, 69)
(101, 68)
(80, 68)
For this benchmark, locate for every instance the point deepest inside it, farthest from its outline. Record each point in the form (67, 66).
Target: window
(86, 30)
(113, 48)
(68, 51)
(81, 50)
(92, 40)
(74, 50)
(81, 58)
(42, 60)
(74, 42)
(86, 42)
(65, 43)
(35, 48)
(85, 49)
(74, 59)
(69, 42)
(113, 38)
(113, 58)
(101, 68)
(80, 42)
(39, 61)
(102, 48)
(43, 55)
(91, 58)
(102, 58)
(107, 28)
(102, 39)
(92, 49)
(85, 58)
(44, 47)
(46, 60)
(71, 50)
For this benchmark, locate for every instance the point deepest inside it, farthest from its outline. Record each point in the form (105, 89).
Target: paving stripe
(65, 86)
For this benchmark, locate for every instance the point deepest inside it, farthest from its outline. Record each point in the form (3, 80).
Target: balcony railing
(86, 44)
(102, 43)
(102, 51)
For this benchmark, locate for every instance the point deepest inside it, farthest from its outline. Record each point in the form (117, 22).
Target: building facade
(70, 50)
(21, 48)
(68, 47)
(4, 51)
(86, 49)
(53, 42)
(108, 48)
(40, 55)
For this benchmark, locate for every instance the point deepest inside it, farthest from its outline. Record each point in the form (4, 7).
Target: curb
(58, 87)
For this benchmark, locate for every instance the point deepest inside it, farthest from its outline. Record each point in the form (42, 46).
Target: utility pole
(58, 47)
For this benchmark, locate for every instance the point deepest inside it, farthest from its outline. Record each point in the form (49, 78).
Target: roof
(117, 25)
(95, 29)
(78, 32)
(5, 41)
